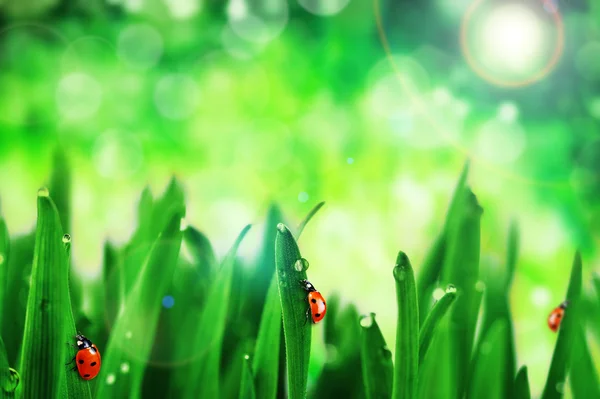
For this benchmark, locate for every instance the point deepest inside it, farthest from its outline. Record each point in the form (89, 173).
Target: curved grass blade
(265, 363)
(583, 378)
(434, 367)
(407, 331)
(566, 335)
(49, 320)
(432, 321)
(429, 275)
(132, 335)
(208, 340)
(310, 215)
(512, 253)
(296, 327)
(377, 367)
(522, 384)
(4, 255)
(9, 377)
(247, 384)
(487, 380)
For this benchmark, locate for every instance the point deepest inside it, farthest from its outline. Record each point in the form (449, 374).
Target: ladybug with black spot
(316, 302)
(556, 316)
(87, 360)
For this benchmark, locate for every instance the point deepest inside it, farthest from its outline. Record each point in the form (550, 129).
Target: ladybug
(87, 358)
(556, 316)
(316, 302)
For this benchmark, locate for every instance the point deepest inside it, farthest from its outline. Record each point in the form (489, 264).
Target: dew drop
(367, 321)
(560, 387)
(301, 265)
(124, 368)
(281, 227)
(43, 192)
(247, 357)
(400, 274)
(450, 288)
(110, 379)
(438, 293)
(480, 286)
(66, 238)
(12, 382)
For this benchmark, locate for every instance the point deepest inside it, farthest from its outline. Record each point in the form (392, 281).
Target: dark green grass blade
(114, 289)
(434, 367)
(9, 378)
(522, 384)
(512, 252)
(247, 385)
(377, 367)
(49, 320)
(582, 375)
(297, 330)
(407, 330)
(433, 319)
(202, 251)
(208, 339)
(487, 380)
(566, 335)
(310, 215)
(4, 255)
(133, 333)
(265, 364)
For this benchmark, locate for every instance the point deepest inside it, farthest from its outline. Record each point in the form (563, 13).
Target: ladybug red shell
(316, 302)
(87, 359)
(556, 316)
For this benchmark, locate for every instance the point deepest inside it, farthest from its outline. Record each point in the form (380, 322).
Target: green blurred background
(370, 105)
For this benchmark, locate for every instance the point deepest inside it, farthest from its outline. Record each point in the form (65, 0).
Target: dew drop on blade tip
(281, 227)
(301, 265)
(43, 192)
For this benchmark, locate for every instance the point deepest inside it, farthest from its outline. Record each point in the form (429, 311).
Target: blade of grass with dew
(247, 390)
(296, 327)
(309, 216)
(461, 267)
(582, 376)
(522, 384)
(133, 333)
(434, 367)
(407, 330)
(377, 367)
(431, 269)
(560, 358)
(265, 363)
(433, 319)
(9, 377)
(49, 320)
(232, 369)
(4, 255)
(487, 380)
(208, 340)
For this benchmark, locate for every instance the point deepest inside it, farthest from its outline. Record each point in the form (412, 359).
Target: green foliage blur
(369, 105)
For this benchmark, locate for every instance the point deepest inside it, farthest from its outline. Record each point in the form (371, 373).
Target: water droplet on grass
(560, 387)
(110, 379)
(367, 321)
(301, 265)
(247, 357)
(400, 274)
(281, 227)
(43, 192)
(480, 286)
(450, 288)
(12, 382)
(66, 238)
(125, 368)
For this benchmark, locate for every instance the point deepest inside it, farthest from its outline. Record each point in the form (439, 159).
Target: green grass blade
(114, 285)
(4, 255)
(566, 335)
(247, 384)
(522, 384)
(434, 367)
(582, 376)
(49, 321)
(208, 340)
(433, 319)
(9, 378)
(202, 251)
(407, 331)
(132, 335)
(512, 253)
(296, 329)
(265, 363)
(487, 380)
(429, 275)
(377, 367)
(310, 215)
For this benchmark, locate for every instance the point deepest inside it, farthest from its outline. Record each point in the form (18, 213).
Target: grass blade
(132, 335)
(4, 255)
(522, 384)
(566, 335)
(209, 337)
(9, 378)
(407, 331)
(296, 328)
(203, 252)
(487, 380)
(432, 321)
(266, 355)
(377, 367)
(582, 376)
(429, 275)
(310, 215)
(247, 384)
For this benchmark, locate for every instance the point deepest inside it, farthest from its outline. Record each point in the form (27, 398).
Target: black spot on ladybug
(86, 375)
(80, 361)
(313, 300)
(93, 364)
(318, 314)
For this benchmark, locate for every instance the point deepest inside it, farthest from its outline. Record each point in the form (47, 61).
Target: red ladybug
(87, 359)
(316, 302)
(556, 316)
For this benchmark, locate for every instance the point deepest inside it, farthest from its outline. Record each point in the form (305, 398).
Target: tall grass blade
(9, 377)
(265, 363)
(203, 253)
(488, 377)
(377, 367)
(407, 330)
(438, 311)
(583, 378)
(247, 383)
(4, 255)
(113, 283)
(296, 327)
(309, 216)
(522, 384)
(566, 335)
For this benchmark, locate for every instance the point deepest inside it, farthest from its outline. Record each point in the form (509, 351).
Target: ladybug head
(307, 285)
(83, 342)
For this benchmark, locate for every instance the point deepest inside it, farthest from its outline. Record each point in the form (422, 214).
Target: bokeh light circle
(176, 96)
(257, 22)
(140, 46)
(512, 35)
(117, 155)
(78, 96)
(324, 7)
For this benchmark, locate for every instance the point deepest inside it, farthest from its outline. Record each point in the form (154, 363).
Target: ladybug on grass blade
(87, 358)
(556, 316)
(316, 302)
